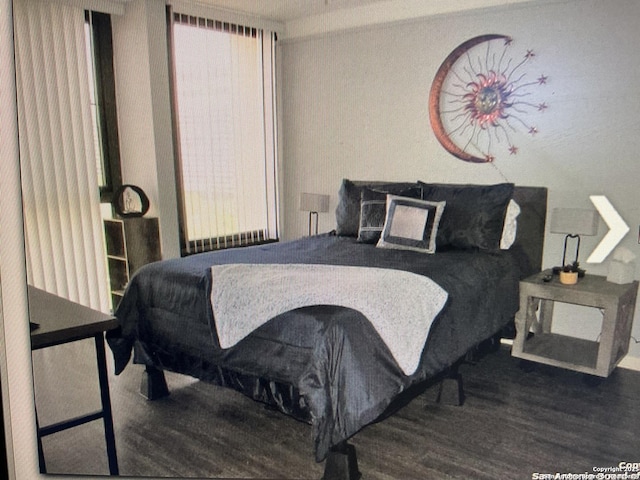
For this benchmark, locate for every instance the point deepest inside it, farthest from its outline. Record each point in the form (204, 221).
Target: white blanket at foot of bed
(400, 305)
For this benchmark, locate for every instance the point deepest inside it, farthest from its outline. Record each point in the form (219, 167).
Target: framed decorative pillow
(348, 208)
(411, 224)
(373, 211)
(475, 214)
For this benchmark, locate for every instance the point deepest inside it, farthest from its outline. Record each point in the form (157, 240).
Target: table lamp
(314, 203)
(573, 222)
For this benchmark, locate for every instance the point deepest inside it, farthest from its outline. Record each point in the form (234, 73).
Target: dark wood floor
(512, 424)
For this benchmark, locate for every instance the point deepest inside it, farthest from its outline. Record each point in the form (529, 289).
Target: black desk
(62, 321)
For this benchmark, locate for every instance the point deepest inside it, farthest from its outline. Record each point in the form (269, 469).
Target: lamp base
(557, 270)
(311, 215)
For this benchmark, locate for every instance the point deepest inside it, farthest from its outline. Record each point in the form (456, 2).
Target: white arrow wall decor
(617, 229)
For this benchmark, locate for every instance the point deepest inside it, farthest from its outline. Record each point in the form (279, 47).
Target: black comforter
(323, 364)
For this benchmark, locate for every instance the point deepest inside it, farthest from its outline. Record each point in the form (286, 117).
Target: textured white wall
(355, 106)
(144, 113)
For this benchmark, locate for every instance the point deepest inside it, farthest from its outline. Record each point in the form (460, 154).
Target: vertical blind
(63, 225)
(223, 103)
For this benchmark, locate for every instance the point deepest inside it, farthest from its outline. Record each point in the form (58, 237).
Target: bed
(325, 351)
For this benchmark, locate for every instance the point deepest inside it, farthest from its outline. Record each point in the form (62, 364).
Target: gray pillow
(373, 211)
(474, 216)
(348, 209)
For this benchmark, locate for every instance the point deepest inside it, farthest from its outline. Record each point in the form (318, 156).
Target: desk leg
(106, 405)
(43, 464)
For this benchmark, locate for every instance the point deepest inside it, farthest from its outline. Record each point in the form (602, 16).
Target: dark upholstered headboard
(531, 222)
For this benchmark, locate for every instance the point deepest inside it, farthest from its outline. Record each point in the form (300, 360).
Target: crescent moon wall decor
(481, 97)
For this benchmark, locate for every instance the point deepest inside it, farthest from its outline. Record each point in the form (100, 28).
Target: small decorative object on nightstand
(535, 341)
(622, 268)
(568, 276)
(573, 222)
(314, 203)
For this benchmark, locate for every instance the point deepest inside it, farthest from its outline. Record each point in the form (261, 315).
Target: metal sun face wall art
(481, 98)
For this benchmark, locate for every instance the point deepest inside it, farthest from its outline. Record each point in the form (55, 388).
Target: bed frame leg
(341, 463)
(451, 391)
(153, 385)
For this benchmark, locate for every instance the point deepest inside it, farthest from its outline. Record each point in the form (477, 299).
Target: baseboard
(631, 363)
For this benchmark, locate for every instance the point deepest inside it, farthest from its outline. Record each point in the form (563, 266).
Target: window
(103, 102)
(223, 88)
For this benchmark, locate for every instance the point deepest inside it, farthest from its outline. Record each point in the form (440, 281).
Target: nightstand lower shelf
(562, 351)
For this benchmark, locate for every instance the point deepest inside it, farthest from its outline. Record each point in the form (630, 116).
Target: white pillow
(510, 227)
(411, 224)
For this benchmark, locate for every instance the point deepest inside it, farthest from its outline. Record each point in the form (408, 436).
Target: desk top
(61, 320)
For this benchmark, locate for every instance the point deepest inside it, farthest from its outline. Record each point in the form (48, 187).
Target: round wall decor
(481, 96)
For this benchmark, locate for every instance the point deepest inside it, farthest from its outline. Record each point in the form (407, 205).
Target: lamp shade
(576, 221)
(314, 202)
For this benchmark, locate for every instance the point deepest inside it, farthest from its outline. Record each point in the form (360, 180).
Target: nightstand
(535, 341)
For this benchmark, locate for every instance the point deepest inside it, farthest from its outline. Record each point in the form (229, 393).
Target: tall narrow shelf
(131, 243)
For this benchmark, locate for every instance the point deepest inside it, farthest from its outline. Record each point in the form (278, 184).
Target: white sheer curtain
(63, 225)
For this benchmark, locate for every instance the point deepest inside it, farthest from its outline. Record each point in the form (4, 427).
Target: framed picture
(130, 201)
